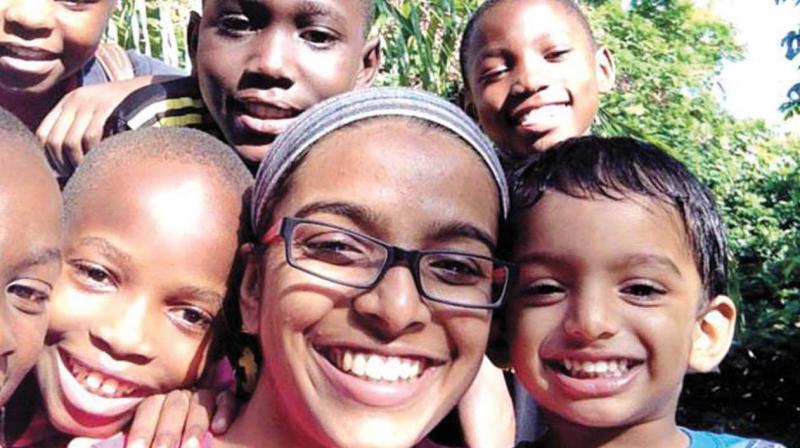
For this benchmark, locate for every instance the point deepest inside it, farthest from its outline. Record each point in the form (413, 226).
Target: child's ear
(465, 102)
(606, 70)
(192, 32)
(370, 63)
(250, 289)
(713, 334)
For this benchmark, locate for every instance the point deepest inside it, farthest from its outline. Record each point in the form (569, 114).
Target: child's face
(309, 325)
(30, 261)
(533, 75)
(603, 318)
(261, 63)
(44, 42)
(147, 259)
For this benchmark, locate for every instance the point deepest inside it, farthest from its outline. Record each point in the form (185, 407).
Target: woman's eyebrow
(361, 216)
(459, 229)
(106, 249)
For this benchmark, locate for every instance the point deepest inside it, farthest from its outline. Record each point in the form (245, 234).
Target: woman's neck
(261, 424)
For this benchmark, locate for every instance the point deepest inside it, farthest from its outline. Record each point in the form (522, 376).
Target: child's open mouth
(100, 383)
(583, 369)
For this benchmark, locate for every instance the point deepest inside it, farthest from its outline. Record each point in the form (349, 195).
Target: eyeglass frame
(395, 256)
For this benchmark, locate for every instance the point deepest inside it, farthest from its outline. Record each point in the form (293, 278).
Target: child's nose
(590, 318)
(123, 334)
(30, 15)
(273, 57)
(532, 75)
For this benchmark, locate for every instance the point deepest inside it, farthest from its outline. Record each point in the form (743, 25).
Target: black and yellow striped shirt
(168, 104)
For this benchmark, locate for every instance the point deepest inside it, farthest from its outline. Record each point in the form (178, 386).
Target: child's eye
(643, 291)
(94, 276)
(234, 24)
(28, 295)
(556, 55)
(191, 318)
(542, 292)
(492, 74)
(320, 38)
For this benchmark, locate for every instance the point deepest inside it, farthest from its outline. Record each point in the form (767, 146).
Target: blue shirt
(704, 439)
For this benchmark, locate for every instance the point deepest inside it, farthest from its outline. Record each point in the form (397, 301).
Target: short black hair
(184, 145)
(569, 5)
(616, 168)
(13, 127)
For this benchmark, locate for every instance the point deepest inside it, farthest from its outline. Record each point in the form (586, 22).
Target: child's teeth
(93, 381)
(376, 367)
(109, 386)
(591, 369)
(99, 384)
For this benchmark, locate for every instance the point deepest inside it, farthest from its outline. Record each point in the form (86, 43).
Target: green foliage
(421, 42)
(155, 28)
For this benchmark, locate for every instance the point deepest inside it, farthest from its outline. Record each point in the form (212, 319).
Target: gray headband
(343, 110)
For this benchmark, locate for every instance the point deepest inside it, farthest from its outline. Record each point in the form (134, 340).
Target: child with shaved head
(151, 233)
(30, 250)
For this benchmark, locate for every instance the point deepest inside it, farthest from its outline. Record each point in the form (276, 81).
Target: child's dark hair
(569, 5)
(617, 168)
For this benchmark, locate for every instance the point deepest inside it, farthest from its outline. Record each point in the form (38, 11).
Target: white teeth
(359, 364)
(97, 383)
(591, 369)
(109, 386)
(94, 380)
(347, 361)
(543, 114)
(376, 367)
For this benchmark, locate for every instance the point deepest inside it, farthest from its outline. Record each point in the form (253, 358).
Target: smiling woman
(372, 311)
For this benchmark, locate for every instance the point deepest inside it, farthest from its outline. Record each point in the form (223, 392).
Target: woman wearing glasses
(371, 281)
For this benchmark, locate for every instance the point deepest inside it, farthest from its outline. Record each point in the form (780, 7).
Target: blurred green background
(668, 54)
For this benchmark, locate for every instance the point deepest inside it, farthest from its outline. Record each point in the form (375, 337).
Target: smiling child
(152, 221)
(48, 51)
(622, 275)
(259, 64)
(532, 72)
(30, 250)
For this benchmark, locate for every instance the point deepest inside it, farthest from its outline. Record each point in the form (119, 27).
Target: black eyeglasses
(352, 259)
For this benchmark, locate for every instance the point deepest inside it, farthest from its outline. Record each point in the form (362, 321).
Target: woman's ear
(250, 289)
(713, 334)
